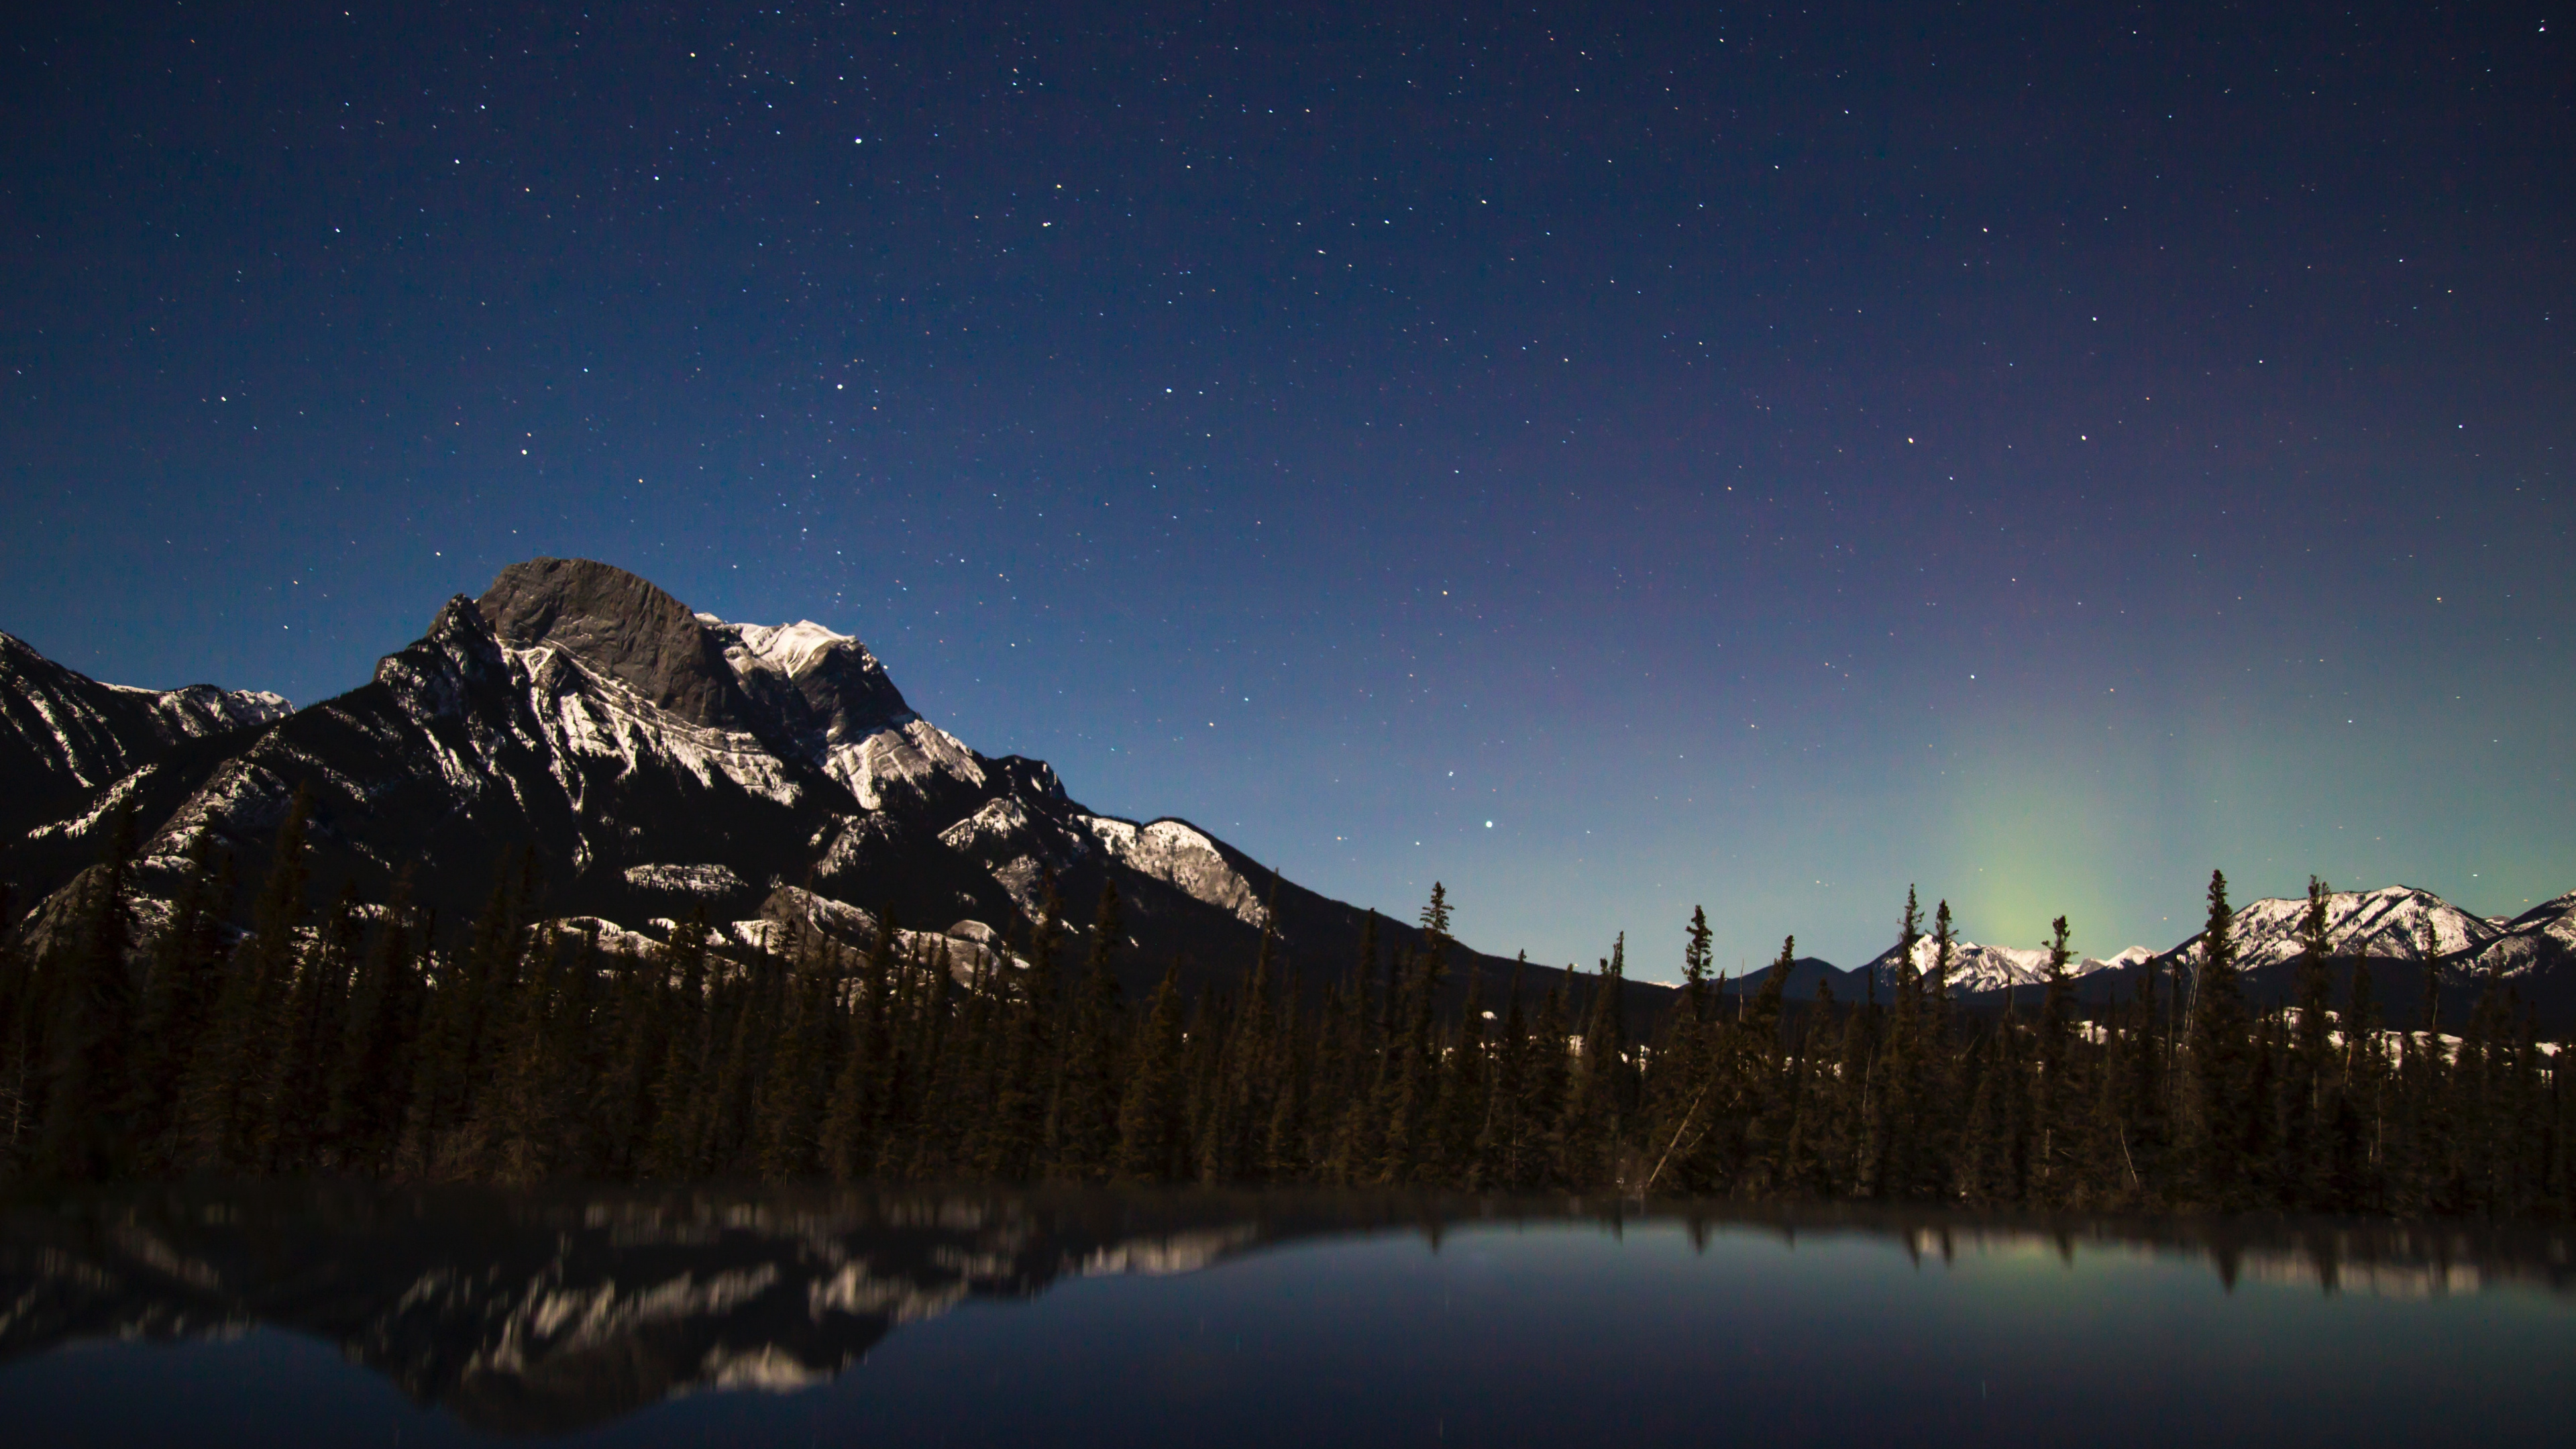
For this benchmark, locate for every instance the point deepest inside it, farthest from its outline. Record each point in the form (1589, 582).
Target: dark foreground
(768, 1316)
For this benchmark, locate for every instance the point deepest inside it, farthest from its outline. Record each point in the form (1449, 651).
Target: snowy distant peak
(2390, 922)
(202, 709)
(2555, 916)
(2540, 937)
(1991, 968)
(60, 726)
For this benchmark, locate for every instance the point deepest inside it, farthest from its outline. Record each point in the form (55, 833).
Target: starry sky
(1607, 459)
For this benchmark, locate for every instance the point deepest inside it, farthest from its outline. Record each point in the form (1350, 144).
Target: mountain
(63, 733)
(657, 761)
(2532, 951)
(2389, 923)
(1975, 968)
(2536, 941)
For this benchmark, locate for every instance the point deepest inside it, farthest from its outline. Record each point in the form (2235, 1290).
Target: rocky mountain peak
(823, 689)
(622, 627)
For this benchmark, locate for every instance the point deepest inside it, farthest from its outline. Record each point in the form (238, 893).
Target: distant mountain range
(2388, 928)
(660, 761)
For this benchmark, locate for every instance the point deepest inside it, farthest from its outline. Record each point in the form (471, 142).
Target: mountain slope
(1975, 968)
(62, 732)
(659, 761)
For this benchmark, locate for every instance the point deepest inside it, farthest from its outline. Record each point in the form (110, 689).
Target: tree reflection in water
(547, 1312)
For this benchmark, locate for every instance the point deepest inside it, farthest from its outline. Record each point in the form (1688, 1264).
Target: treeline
(356, 1042)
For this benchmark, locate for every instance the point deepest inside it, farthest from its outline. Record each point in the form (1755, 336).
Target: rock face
(62, 732)
(657, 761)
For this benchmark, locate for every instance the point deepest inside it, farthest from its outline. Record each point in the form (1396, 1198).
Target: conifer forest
(359, 1039)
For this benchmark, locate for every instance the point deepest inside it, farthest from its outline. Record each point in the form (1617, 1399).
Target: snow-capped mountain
(61, 730)
(660, 761)
(1975, 968)
(2539, 938)
(2390, 922)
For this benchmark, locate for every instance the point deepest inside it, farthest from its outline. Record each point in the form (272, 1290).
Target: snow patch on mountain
(1001, 820)
(902, 758)
(1176, 854)
(202, 709)
(587, 713)
(789, 649)
(687, 880)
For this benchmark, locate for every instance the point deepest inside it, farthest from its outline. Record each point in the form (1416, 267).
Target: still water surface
(919, 1318)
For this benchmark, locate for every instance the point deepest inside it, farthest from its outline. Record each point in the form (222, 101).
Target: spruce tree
(222, 1103)
(1018, 1128)
(792, 1101)
(2310, 1090)
(1149, 1119)
(687, 1041)
(363, 1106)
(1696, 955)
(296, 1081)
(2220, 1070)
(447, 1061)
(2055, 1096)
(87, 1133)
(178, 999)
(1085, 1128)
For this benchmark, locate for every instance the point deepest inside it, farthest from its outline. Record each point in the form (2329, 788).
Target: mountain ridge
(663, 761)
(659, 762)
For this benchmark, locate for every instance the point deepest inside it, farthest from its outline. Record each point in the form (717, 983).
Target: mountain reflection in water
(544, 1313)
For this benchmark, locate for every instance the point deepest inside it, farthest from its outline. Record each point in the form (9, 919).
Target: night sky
(1605, 460)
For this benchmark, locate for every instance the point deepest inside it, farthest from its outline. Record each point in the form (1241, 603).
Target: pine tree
(2221, 1071)
(87, 1133)
(792, 1101)
(1149, 1119)
(1696, 955)
(179, 997)
(2310, 1095)
(1549, 1085)
(1018, 1127)
(1592, 1126)
(363, 1106)
(1459, 1094)
(2055, 1096)
(2361, 1184)
(687, 1042)
(296, 1082)
(853, 1123)
(513, 1133)
(635, 1024)
(222, 1105)
(1084, 1130)
(449, 1057)
(1358, 1136)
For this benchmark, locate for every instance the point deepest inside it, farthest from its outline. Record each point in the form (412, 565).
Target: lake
(918, 1317)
